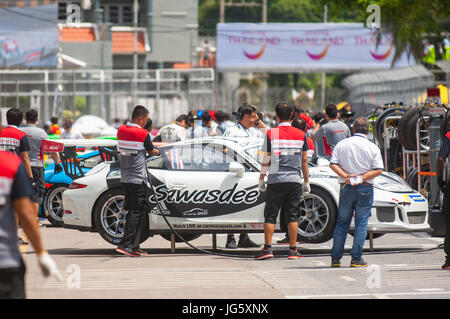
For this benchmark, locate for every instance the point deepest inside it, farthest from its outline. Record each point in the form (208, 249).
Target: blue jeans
(357, 199)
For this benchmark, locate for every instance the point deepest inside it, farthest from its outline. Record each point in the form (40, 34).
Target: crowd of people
(291, 139)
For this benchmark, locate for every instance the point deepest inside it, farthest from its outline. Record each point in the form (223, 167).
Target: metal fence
(408, 85)
(109, 93)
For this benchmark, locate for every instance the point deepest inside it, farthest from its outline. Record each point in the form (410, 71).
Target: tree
(408, 20)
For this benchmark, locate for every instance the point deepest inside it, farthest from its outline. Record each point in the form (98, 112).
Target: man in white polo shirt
(356, 161)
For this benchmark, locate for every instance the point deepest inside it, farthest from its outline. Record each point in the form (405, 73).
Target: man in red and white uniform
(285, 160)
(14, 140)
(134, 143)
(15, 191)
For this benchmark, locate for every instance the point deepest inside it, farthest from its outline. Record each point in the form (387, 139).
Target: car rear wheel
(53, 204)
(110, 215)
(318, 213)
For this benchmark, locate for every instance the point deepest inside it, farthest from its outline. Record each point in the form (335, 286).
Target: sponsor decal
(417, 198)
(197, 212)
(205, 196)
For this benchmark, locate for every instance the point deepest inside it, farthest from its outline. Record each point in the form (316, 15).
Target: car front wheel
(318, 214)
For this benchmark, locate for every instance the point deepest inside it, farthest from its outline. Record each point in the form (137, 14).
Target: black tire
(407, 130)
(116, 220)
(186, 237)
(382, 118)
(317, 225)
(53, 206)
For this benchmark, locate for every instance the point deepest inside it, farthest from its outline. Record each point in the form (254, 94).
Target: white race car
(209, 185)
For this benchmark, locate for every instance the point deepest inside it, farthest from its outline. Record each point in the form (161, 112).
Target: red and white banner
(298, 47)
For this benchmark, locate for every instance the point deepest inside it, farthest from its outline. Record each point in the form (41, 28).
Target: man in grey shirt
(332, 132)
(35, 137)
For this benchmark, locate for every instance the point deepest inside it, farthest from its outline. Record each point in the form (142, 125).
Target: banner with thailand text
(303, 47)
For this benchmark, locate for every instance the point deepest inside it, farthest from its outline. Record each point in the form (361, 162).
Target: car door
(202, 192)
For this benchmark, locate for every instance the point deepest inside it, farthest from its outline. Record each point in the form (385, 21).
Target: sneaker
(358, 263)
(285, 241)
(20, 241)
(446, 266)
(127, 251)
(231, 242)
(264, 254)
(141, 252)
(246, 242)
(294, 254)
(335, 262)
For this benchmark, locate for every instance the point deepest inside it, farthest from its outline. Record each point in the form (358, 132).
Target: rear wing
(68, 149)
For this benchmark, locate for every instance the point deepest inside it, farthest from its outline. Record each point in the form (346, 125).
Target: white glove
(48, 266)
(262, 185)
(306, 189)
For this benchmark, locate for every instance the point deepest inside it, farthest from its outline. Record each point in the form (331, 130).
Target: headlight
(391, 182)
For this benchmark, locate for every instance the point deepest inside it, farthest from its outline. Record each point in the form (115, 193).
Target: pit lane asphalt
(93, 270)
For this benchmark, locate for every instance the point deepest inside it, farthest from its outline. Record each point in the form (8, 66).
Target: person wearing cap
(331, 132)
(15, 201)
(356, 161)
(245, 127)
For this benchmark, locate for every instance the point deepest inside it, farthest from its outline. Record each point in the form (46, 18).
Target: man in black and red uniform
(444, 152)
(15, 192)
(134, 143)
(14, 140)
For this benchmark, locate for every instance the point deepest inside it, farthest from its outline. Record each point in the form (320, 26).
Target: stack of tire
(407, 130)
(395, 150)
(407, 133)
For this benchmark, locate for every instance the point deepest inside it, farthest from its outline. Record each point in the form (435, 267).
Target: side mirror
(237, 169)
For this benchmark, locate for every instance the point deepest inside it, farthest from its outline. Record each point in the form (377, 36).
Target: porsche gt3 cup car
(209, 185)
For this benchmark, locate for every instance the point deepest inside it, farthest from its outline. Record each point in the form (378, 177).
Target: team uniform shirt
(14, 140)
(286, 145)
(331, 133)
(172, 133)
(14, 184)
(133, 142)
(240, 131)
(311, 148)
(35, 137)
(308, 120)
(357, 155)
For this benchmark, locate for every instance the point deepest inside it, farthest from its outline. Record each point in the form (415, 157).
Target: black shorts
(136, 197)
(12, 283)
(38, 190)
(286, 195)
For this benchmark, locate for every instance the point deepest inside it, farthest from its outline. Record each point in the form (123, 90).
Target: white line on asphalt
(348, 278)
(429, 289)
(367, 295)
